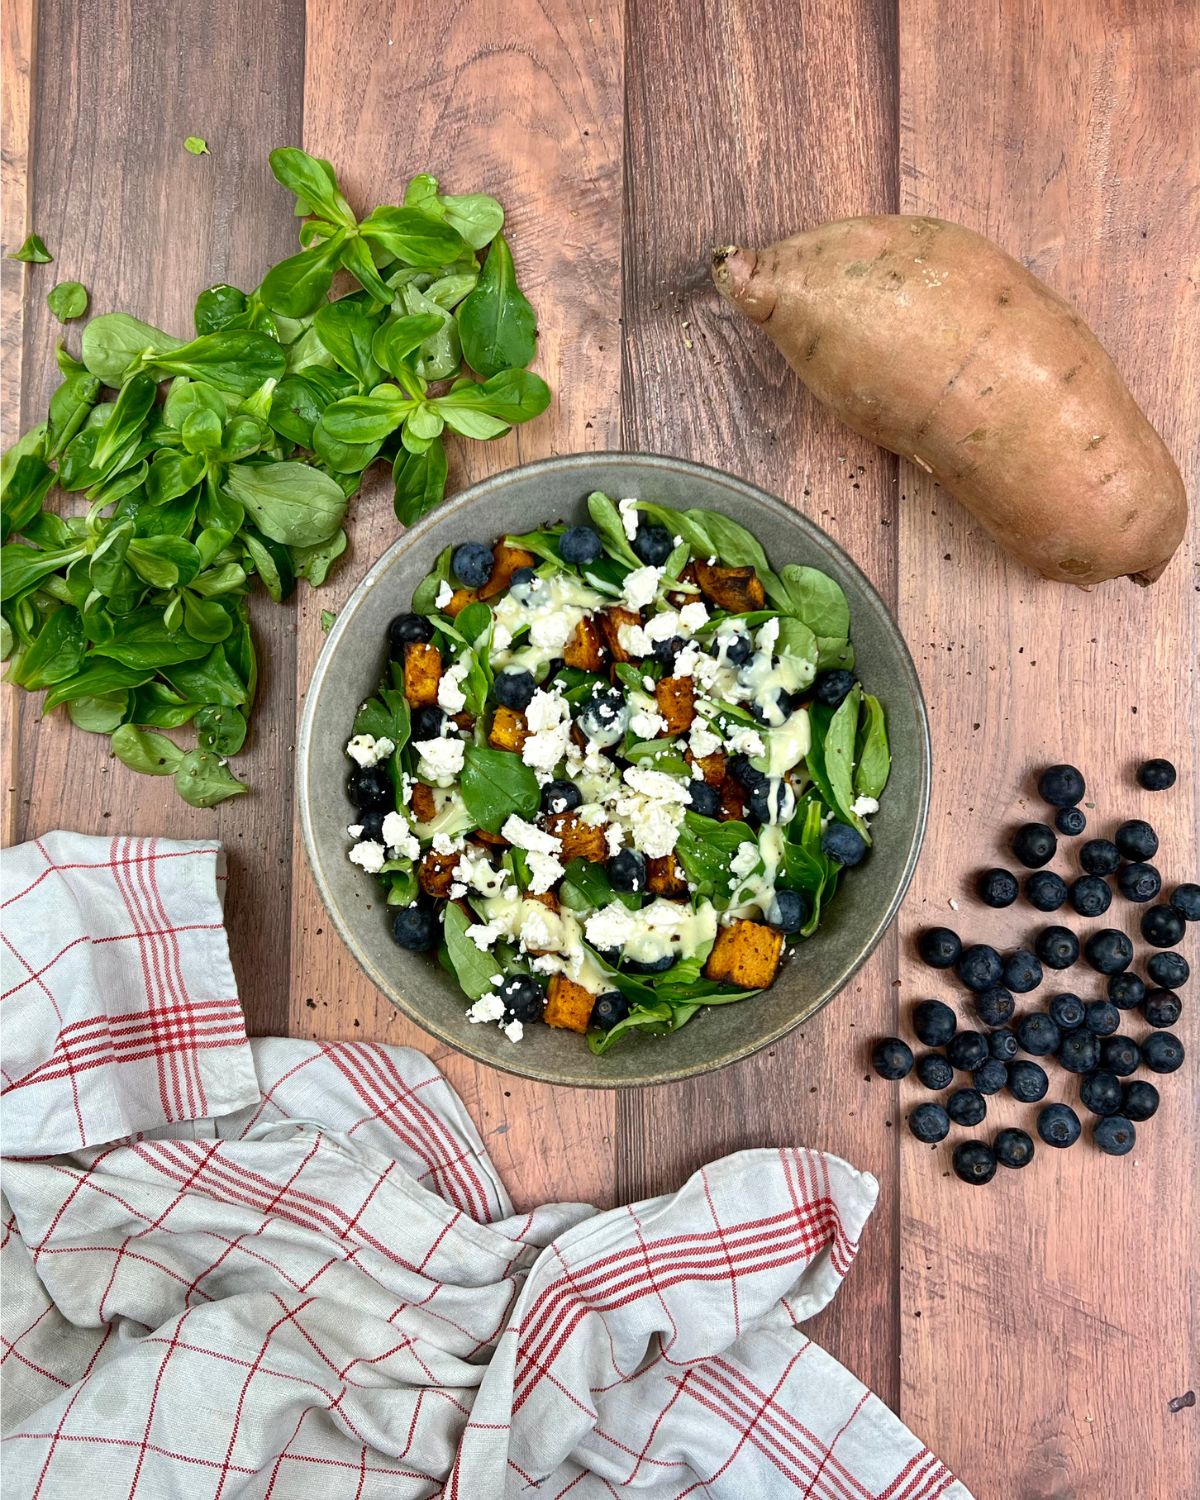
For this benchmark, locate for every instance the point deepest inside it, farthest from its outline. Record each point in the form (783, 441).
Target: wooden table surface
(1034, 1332)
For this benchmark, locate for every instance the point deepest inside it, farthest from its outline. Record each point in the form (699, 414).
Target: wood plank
(522, 100)
(782, 118)
(124, 209)
(1046, 1320)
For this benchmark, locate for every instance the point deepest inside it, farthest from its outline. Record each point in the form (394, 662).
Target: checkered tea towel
(285, 1269)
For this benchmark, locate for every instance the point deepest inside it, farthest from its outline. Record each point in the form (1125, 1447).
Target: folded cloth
(282, 1268)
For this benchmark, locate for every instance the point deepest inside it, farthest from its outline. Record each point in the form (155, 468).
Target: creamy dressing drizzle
(551, 608)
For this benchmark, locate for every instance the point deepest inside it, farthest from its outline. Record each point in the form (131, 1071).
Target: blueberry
(934, 1022)
(560, 796)
(1185, 899)
(1013, 1148)
(1121, 1055)
(1090, 896)
(997, 887)
(428, 722)
(1079, 1052)
(929, 1123)
(1139, 881)
(524, 998)
(1002, 1044)
(1156, 775)
(415, 928)
(739, 649)
(995, 1006)
(939, 947)
(934, 1071)
(472, 563)
(892, 1058)
(704, 799)
(1099, 857)
(1027, 1081)
(831, 688)
(1162, 926)
(974, 1162)
(513, 688)
(1162, 1052)
(1071, 821)
(1162, 1008)
(627, 871)
(1170, 971)
(522, 578)
(1057, 947)
(1138, 1100)
(979, 968)
(1102, 1018)
(579, 545)
(1061, 786)
(604, 714)
(775, 802)
(1126, 991)
(1045, 890)
(966, 1107)
(665, 652)
(1038, 1035)
(370, 787)
(372, 824)
(1058, 1125)
(612, 1006)
(966, 1050)
(1101, 1093)
(653, 544)
(789, 910)
(1108, 951)
(844, 844)
(1022, 972)
(1136, 839)
(404, 629)
(1115, 1135)
(745, 774)
(1066, 1011)
(990, 1076)
(1034, 845)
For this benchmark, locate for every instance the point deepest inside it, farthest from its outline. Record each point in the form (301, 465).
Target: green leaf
(217, 307)
(95, 679)
(221, 730)
(22, 567)
(202, 780)
(296, 407)
(830, 759)
(367, 419)
(439, 354)
(873, 757)
(290, 502)
(314, 183)
(495, 784)
(140, 750)
(70, 407)
(196, 145)
(420, 482)
(297, 286)
(239, 361)
(606, 518)
(342, 457)
(113, 341)
(172, 475)
(124, 421)
(158, 704)
(497, 325)
(67, 300)
(396, 339)
(24, 488)
(474, 968)
(33, 249)
(163, 561)
(56, 654)
(478, 218)
(706, 849)
(99, 715)
(426, 591)
(204, 619)
(817, 599)
(272, 563)
(314, 563)
(201, 432)
(210, 680)
(414, 237)
(146, 643)
(387, 716)
(328, 616)
(346, 330)
(356, 258)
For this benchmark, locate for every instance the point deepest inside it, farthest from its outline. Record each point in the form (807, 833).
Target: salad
(616, 770)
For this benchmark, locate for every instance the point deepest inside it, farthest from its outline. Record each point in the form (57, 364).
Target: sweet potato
(929, 340)
(568, 1004)
(435, 874)
(712, 766)
(506, 560)
(585, 649)
(665, 878)
(509, 730)
(423, 802)
(548, 899)
(676, 701)
(610, 624)
(422, 673)
(733, 800)
(579, 840)
(746, 954)
(459, 601)
(738, 590)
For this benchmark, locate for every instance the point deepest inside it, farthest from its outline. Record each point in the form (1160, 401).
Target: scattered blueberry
(1170, 971)
(1058, 1125)
(666, 651)
(990, 1076)
(1013, 1148)
(997, 887)
(1066, 1011)
(650, 965)
(939, 947)
(415, 928)
(579, 545)
(995, 1006)
(1114, 1134)
(524, 998)
(560, 796)
(966, 1107)
(1002, 1044)
(1103, 1018)
(1139, 881)
(929, 1123)
(789, 910)
(775, 802)
(1022, 972)
(966, 1050)
(1162, 1008)
(428, 722)
(1061, 786)
(369, 787)
(1057, 947)
(612, 1006)
(892, 1058)
(1101, 1093)
(523, 577)
(704, 799)
(653, 544)
(842, 843)
(934, 1071)
(1037, 1034)
(1162, 926)
(1045, 890)
(1079, 1052)
(1090, 896)
(1071, 821)
(472, 564)
(1108, 951)
(979, 967)
(1136, 839)
(739, 649)
(1139, 1100)
(1162, 1052)
(1120, 1055)
(745, 774)
(1126, 991)
(830, 688)
(1156, 775)
(1185, 899)
(513, 688)
(404, 629)
(1027, 1081)
(1099, 857)
(1034, 845)
(974, 1162)
(627, 872)
(372, 824)
(934, 1022)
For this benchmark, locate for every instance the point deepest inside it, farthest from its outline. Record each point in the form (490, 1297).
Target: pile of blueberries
(1082, 1036)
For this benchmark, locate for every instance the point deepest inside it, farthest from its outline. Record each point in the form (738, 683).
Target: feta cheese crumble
(369, 855)
(863, 807)
(545, 871)
(444, 594)
(523, 835)
(365, 750)
(441, 761)
(450, 694)
(628, 511)
(399, 837)
(641, 586)
(487, 1008)
(703, 741)
(647, 724)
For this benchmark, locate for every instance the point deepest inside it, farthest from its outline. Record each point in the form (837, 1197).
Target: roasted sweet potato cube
(422, 673)
(733, 800)
(459, 601)
(746, 954)
(712, 766)
(568, 1004)
(496, 840)
(548, 899)
(676, 699)
(506, 559)
(579, 840)
(585, 649)
(435, 875)
(737, 590)
(665, 878)
(509, 730)
(676, 598)
(423, 802)
(610, 624)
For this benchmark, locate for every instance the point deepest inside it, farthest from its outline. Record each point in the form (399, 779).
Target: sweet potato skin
(929, 340)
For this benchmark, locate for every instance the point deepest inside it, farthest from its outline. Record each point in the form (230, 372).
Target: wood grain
(1046, 1321)
(741, 140)
(522, 100)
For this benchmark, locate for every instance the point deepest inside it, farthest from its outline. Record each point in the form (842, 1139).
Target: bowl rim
(565, 465)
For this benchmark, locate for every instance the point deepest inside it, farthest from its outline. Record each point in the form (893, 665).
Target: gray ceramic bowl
(349, 670)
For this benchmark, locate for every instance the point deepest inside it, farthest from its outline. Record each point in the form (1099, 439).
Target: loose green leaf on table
(328, 616)
(196, 145)
(202, 779)
(497, 325)
(33, 250)
(67, 300)
(142, 750)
